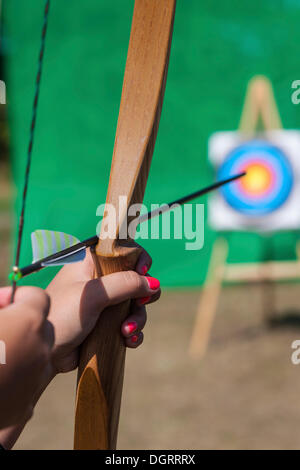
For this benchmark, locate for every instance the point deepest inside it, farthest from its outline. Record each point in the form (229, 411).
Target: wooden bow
(101, 370)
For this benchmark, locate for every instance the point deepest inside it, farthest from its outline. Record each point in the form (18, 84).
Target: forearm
(10, 435)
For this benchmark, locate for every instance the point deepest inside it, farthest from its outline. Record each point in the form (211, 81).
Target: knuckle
(158, 295)
(36, 299)
(34, 318)
(140, 314)
(45, 354)
(134, 280)
(144, 320)
(36, 323)
(44, 301)
(149, 259)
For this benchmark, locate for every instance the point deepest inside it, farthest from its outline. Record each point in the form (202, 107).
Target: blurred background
(243, 393)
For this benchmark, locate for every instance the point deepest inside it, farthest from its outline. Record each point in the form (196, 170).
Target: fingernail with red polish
(144, 270)
(134, 339)
(153, 283)
(144, 300)
(130, 327)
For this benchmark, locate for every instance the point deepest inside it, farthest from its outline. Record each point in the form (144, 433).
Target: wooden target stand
(259, 111)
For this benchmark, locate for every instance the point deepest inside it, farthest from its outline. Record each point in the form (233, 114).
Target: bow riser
(101, 369)
(102, 358)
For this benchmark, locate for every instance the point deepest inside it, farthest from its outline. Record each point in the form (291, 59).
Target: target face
(267, 184)
(267, 198)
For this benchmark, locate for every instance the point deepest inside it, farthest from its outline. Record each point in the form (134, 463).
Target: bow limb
(101, 369)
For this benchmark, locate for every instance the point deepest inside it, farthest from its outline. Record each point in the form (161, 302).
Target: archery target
(268, 181)
(266, 198)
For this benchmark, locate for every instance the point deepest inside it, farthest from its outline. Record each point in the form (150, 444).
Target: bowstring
(30, 145)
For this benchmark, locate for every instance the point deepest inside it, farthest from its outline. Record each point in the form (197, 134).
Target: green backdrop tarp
(217, 48)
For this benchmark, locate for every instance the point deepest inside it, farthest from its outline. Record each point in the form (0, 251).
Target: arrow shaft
(92, 241)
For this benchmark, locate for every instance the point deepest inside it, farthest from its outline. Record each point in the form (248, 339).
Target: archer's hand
(73, 319)
(27, 337)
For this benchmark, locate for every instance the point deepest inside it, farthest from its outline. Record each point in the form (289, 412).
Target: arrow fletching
(46, 243)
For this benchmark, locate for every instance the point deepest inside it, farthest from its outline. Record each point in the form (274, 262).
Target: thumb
(114, 289)
(128, 285)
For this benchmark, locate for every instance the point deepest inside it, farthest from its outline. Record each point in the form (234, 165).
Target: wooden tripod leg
(208, 300)
(267, 284)
(267, 288)
(259, 103)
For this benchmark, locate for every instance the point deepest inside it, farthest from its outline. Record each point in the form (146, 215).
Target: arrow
(92, 241)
